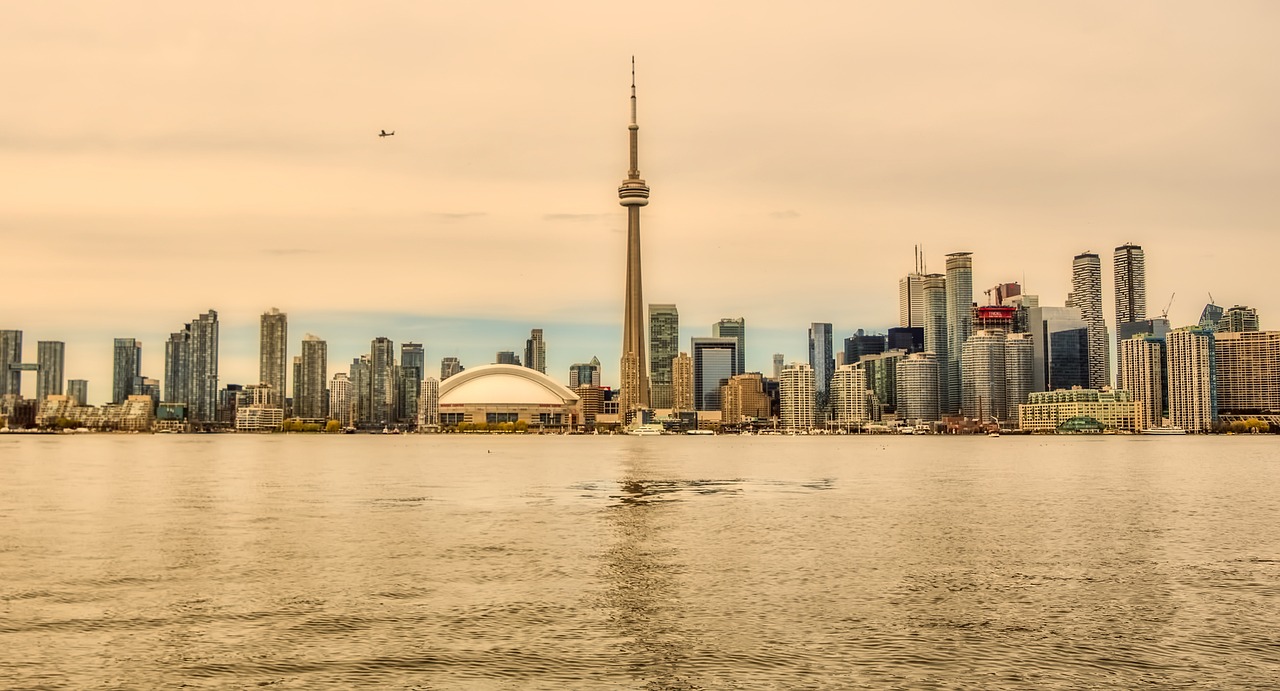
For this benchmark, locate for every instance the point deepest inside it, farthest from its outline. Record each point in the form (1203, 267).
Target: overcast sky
(161, 159)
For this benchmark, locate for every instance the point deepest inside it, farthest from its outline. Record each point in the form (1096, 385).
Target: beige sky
(161, 159)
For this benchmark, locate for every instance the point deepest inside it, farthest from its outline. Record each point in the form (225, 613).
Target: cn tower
(633, 194)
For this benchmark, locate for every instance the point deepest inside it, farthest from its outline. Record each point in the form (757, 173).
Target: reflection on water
(667, 563)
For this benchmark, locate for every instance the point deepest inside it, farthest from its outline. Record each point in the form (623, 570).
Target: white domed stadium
(496, 394)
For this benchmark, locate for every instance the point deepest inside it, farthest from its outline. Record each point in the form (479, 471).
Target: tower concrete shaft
(633, 194)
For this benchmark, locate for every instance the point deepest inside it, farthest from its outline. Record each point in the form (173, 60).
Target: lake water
(443, 562)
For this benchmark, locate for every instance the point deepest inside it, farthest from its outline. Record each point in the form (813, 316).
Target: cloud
(456, 216)
(784, 215)
(575, 217)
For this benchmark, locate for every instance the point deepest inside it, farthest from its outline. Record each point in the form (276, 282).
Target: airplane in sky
(385, 133)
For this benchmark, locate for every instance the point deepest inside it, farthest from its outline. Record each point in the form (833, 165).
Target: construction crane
(1165, 314)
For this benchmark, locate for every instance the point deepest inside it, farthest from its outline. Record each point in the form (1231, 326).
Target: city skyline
(155, 128)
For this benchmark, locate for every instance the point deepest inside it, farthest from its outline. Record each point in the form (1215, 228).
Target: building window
(494, 418)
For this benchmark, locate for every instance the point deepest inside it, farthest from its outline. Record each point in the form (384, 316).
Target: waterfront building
(273, 353)
(959, 288)
(78, 391)
(413, 369)
(797, 395)
(50, 360)
(382, 382)
(1086, 295)
(983, 375)
(822, 361)
(429, 404)
(449, 366)
(881, 377)
(126, 369)
(682, 388)
(1238, 319)
(1019, 363)
(340, 398)
(312, 401)
(908, 339)
(1210, 316)
(633, 195)
(177, 367)
(849, 396)
(664, 345)
(291, 407)
(917, 388)
(1142, 367)
(735, 329)
(259, 410)
(936, 340)
(586, 374)
(1192, 375)
(861, 344)
(1060, 348)
(713, 363)
(1049, 411)
(202, 361)
(744, 399)
(1248, 372)
(10, 355)
(360, 397)
(498, 394)
(535, 351)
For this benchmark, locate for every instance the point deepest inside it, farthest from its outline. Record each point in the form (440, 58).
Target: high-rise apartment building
(360, 396)
(959, 318)
(743, 398)
(797, 397)
(1248, 369)
(1142, 373)
(413, 363)
(50, 359)
(312, 401)
(383, 379)
(587, 374)
(849, 396)
(917, 385)
(713, 363)
(1238, 319)
(1192, 377)
(177, 367)
(1129, 265)
(126, 369)
(633, 195)
(429, 403)
(735, 329)
(449, 366)
(682, 390)
(822, 361)
(273, 353)
(1086, 295)
(1019, 364)
(203, 406)
(983, 374)
(664, 345)
(936, 338)
(535, 351)
(10, 354)
(413, 356)
(340, 399)
(78, 391)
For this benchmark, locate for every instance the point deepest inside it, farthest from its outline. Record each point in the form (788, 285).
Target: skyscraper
(429, 403)
(382, 381)
(1142, 373)
(822, 361)
(936, 340)
(1239, 319)
(682, 383)
(1192, 378)
(1129, 265)
(177, 367)
(983, 374)
(917, 379)
(633, 194)
(664, 345)
(535, 351)
(10, 354)
(1019, 363)
(797, 397)
(506, 357)
(777, 365)
(849, 396)
(449, 366)
(585, 374)
(126, 369)
(50, 357)
(413, 369)
(736, 329)
(911, 296)
(1248, 369)
(713, 363)
(360, 394)
(78, 391)
(340, 398)
(959, 318)
(1086, 294)
(412, 355)
(861, 344)
(1060, 342)
(312, 401)
(202, 406)
(273, 352)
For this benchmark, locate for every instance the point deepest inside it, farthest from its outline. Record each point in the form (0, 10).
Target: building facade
(273, 352)
(849, 407)
(983, 374)
(312, 400)
(1192, 377)
(1142, 372)
(1050, 411)
(713, 363)
(535, 351)
(822, 361)
(1086, 295)
(936, 339)
(959, 318)
(682, 389)
(917, 387)
(1248, 374)
(340, 398)
(797, 395)
(1238, 319)
(737, 330)
(584, 373)
(664, 345)
(50, 361)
